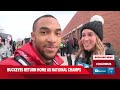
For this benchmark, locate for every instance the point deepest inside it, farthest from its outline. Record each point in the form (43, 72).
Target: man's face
(47, 37)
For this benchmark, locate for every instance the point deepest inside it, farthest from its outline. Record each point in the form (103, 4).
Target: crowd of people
(69, 46)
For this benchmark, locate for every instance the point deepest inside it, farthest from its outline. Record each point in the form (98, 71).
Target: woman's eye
(90, 34)
(83, 35)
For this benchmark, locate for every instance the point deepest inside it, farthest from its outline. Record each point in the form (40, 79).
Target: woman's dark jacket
(109, 51)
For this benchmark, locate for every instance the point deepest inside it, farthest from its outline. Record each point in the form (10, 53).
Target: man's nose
(52, 38)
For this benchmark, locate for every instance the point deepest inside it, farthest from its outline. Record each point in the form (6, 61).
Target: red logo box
(103, 61)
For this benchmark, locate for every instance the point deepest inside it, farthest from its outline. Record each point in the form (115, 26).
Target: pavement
(65, 59)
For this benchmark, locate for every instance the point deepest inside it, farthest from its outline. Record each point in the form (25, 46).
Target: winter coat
(28, 53)
(109, 51)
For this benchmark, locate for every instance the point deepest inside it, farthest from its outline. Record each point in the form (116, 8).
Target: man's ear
(32, 36)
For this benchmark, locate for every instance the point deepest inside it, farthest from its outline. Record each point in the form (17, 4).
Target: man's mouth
(51, 48)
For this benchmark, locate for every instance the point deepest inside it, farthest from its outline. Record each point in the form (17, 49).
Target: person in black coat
(69, 48)
(14, 46)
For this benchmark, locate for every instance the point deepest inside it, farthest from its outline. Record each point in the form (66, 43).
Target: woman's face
(88, 39)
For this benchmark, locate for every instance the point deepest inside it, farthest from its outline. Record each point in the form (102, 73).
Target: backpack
(22, 61)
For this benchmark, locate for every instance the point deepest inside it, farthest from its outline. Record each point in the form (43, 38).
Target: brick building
(111, 28)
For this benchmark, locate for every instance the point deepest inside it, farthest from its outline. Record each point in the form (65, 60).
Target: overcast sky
(19, 23)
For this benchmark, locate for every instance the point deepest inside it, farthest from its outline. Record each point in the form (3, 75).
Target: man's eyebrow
(59, 29)
(44, 28)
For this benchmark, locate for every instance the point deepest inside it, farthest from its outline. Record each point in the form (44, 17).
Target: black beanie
(95, 26)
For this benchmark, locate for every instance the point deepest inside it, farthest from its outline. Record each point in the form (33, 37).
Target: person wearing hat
(91, 36)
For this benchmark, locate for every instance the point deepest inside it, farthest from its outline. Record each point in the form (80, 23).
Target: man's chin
(50, 56)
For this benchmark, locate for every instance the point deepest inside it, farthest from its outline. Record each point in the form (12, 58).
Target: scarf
(88, 55)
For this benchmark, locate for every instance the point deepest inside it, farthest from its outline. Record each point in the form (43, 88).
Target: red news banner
(43, 70)
(61, 72)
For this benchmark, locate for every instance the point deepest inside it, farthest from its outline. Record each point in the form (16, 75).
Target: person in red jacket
(43, 47)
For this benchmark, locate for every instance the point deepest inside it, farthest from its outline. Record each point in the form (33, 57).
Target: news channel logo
(82, 64)
(101, 70)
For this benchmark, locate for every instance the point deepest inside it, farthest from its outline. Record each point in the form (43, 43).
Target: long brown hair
(99, 48)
